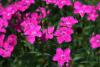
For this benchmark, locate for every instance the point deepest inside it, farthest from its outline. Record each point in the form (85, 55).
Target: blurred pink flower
(98, 6)
(63, 34)
(50, 1)
(9, 11)
(68, 21)
(61, 3)
(48, 32)
(95, 41)
(62, 56)
(31, 29)
(3, 25)
(92, 16)
(43, 12)
(78, 8)
(7, 46)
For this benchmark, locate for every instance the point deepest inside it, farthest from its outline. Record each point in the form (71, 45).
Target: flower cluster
(6, 13)
(59, 3)
(83, 9)
(31, 28)
(32, 25)
(7, 46)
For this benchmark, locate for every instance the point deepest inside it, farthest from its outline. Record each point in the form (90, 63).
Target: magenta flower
(95, 41)
(50, 1)
(9, 11)
(48, 32)
(3, 25)
(63, 34)
(31, 30)
(7, 46)
(62, 56)
(79, 9)
(68, 21)
(43, 12)
(92, 16)
(98, 6)
(24, 4)
(61, 3)
(1, 40)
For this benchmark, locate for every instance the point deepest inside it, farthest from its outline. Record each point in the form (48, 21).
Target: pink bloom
(78, 8)
(12, 40)
(63, 34)
(98, 6)
(48, 33)
(9, 11)
(92, 16)
(43, 12)
(68, 21)
(89, 9)
(28, 1)
(62, 56)
(31, 30)
(61, 3)
(95, 41)
(7, 46)
(3, 25)
(50, 1)
(6, 54)
(30, 39)
(1, 40)
(22, 6)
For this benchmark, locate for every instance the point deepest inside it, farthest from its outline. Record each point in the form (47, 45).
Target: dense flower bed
(49, 33)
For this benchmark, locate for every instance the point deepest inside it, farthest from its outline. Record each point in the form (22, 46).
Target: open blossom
(9, 11)
(48, 32)
(63, 34)
(62, 56)
(82, 9)
(78, 8)
(7, 46)
(92, 16)
(61, 3)
(31, 30)
(24, 4)
(95, 41)
(68, 21)
(3, 25)
(98, 6)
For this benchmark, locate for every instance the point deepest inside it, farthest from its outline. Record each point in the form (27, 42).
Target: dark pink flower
(61, 3)
(79, 8)
(9, 11)
(3, 25)
(48, 32)
(63, 34)
(62, 56)
(43, 12)
(31, 30)
(68, 21)
(92, 16)
(7, 46)
(98, 6)
(95, 41)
